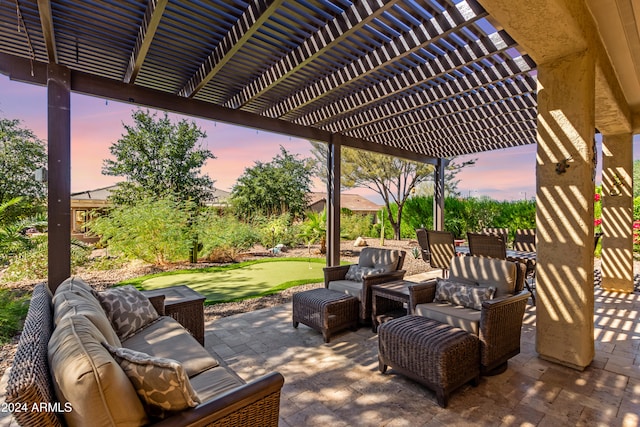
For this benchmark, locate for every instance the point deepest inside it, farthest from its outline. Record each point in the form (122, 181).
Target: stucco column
(564, 215)
(617, 213)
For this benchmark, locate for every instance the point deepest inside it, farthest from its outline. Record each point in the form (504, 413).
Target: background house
(354, 202)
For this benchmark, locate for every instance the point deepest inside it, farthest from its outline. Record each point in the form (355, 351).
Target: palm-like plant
(314, 229)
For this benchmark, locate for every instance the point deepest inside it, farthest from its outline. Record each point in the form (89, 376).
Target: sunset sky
(96, 124)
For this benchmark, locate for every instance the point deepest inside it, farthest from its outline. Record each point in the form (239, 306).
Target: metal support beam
(48, 33)
(438, 194)
(59, 198)
(334, 158)
(146, 32)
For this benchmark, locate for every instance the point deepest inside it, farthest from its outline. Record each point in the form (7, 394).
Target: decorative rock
(360, 242)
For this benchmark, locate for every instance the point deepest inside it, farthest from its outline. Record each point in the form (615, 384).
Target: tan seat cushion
(70, 303)
(385, 259)
(486, 272)
(213, 382)
(348, 287)
(89, 379)
(464, 318)
(168, 339)
(76, 285)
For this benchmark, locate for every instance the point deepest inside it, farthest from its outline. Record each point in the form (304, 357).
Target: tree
(159, 159)
(21, 154)
(394, 179)
(273, 188)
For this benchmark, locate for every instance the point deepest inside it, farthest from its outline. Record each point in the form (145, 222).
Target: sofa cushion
(128, 309)
(89, 379)
(168, 339)
(467, 319)
(487, 272)
(357, 273)
(69, 303)
(162, 384)
(348, 287)
(213, 382)
(385, 259)
(76, 286)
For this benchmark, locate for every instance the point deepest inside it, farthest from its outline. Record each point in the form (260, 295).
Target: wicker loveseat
(71, 369)
(374, 266)
(497, 322)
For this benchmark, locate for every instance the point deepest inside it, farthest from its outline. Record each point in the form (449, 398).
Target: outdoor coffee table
(390, 300)
(186, 306)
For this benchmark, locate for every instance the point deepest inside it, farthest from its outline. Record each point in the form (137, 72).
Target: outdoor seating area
(339, 383)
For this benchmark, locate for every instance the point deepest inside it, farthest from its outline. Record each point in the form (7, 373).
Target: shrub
(354, 225)
(33, 263)
(277, 229)
(223, 237)
(156, 231)
(13, 310)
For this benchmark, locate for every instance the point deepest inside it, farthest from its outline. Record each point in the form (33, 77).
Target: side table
(186, 306)
(389, 301)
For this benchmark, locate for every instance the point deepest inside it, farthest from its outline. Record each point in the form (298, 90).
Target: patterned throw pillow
(473, 296)
(445, 289)
(128, 309)
(162, 384)
(357, 273)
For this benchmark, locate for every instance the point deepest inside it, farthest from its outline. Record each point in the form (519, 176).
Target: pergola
(419, 79)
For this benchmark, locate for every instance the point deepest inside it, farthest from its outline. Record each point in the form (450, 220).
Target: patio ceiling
(416, 78)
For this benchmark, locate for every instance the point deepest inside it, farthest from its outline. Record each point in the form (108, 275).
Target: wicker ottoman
(435, 354)
(325, 310)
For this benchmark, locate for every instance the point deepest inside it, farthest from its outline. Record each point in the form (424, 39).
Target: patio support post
(617, 213)
(438, 195)
(564, 214)
(59, 180)
(334, 158)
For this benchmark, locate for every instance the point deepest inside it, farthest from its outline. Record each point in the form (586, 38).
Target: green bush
(277, 229)
(353, 225)
(33, 263)
(223, 237)
(13, 310)
(471, 214)
(156, 231)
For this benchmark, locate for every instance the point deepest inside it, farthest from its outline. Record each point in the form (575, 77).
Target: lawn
(239, 281)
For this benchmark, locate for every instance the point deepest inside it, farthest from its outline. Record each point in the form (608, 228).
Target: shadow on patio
(339, 384)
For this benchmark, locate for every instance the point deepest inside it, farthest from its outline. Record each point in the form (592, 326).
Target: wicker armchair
(442, 249)
(392, 260)
(423, 241)
(487, 245)
(500, 319)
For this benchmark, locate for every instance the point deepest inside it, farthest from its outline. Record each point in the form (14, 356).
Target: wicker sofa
(497, 321)
(375, 266)
(71, 360)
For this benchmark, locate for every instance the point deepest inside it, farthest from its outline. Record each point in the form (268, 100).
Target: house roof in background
(354, 202)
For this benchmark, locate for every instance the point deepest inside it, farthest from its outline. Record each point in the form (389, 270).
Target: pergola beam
(250, 22)
(401, 47)
(146, 32)
(358, 16)
(21, 69)
(48, 32)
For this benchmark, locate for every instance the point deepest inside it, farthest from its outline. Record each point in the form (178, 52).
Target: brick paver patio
(338, 384)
